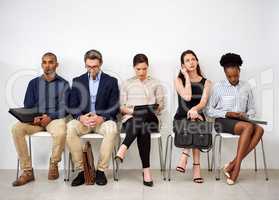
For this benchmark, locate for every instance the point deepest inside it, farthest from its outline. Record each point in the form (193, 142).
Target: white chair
(92, 137)
(230, 136)
(41, 134)
(170, 141)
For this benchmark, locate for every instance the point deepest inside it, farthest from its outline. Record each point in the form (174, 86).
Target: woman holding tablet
(141, 100)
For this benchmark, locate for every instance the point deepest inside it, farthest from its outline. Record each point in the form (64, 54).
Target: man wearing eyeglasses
(94, 103)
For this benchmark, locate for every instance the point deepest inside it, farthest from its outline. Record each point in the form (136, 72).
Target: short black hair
(92, 55)
(140, 58)
(50, 54)
(231, 60)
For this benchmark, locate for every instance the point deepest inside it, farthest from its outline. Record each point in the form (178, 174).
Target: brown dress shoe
(25, 177)
(53, 171)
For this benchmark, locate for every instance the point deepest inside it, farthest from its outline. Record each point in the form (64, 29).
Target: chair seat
(92, 136)
(41, 134)
(153, 135)
(228, 135)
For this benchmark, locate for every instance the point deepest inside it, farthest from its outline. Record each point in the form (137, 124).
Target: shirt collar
(55, 78)
(147, 78)
(230, 85)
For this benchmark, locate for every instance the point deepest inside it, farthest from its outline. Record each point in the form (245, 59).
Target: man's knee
(72, 124)
(110, 129)
(60, 134)
(18, 129)
(58, 129)
(71, 129)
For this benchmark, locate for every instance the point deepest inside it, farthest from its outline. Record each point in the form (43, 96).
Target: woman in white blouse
(140, 90)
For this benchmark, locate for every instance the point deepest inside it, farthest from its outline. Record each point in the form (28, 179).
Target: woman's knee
(244, 127)
(258, 130)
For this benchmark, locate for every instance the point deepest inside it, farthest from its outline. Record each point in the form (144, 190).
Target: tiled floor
(251, 186)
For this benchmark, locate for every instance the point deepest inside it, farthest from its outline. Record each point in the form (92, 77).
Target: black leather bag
(193, 134)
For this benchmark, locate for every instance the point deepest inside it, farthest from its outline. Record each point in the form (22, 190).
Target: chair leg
(114, 167)
(218, 170)
(64, 163)
(161, 154)
(17, 169)
(30, 149)
(119, 142)
(166, 156)
(213, 164)
(170, 158)
(116, 163)
(264, 161)
(73, 165)
(69, 166)
(208, 162)
(255, 158)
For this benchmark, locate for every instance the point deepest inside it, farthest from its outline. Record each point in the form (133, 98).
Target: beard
(49, 72)
(93, 73)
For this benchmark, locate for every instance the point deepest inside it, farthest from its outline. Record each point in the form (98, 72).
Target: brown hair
(199, 72)
(140, 58)
(93, 54)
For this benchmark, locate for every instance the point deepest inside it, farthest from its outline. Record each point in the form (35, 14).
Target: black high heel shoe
(149, 184)
(199, 179)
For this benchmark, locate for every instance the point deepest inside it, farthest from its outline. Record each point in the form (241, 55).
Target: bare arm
(184, 91)
(205, 96)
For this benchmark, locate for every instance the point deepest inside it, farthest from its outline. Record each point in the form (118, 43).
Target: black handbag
(193, 134)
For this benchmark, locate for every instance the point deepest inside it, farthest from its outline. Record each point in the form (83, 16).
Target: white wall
(120, 29)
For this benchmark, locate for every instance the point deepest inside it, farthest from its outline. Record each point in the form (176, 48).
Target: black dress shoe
(79, 180)
(149, 184)
(101, 178)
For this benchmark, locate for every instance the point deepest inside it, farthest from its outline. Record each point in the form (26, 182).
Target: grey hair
(93, 54)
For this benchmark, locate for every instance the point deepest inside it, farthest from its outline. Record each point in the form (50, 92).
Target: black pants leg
(141, 129)
(132, 129)
(143, 141)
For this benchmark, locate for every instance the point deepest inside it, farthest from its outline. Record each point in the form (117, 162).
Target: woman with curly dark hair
(232, 103)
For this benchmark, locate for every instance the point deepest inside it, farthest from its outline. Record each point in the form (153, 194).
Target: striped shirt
(228, 98)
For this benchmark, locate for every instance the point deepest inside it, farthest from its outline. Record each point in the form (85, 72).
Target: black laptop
(151, 107)
(25, 115)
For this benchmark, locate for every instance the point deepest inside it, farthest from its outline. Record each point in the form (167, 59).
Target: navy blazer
(107, 100)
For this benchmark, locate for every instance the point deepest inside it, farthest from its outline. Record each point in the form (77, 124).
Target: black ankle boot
(101, 178)
(79, 180)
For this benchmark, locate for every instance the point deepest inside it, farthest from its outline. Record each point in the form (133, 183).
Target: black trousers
(141, 127)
